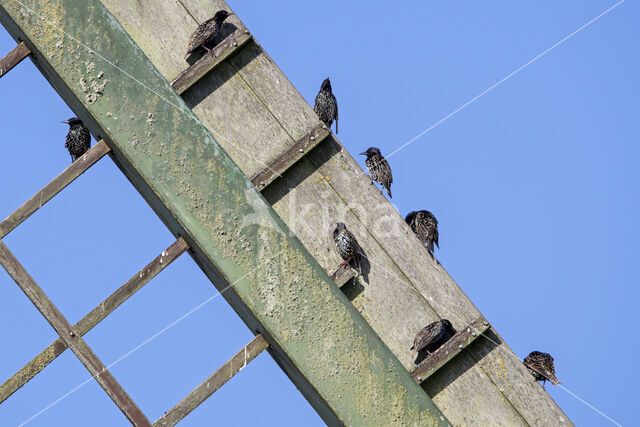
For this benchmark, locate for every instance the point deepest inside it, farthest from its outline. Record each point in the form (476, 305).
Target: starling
(541, 367)
(326, 106)
(425, 225)
(207, 32)
(378, 168)
(347, 247)
(432, 337)
(78, 139)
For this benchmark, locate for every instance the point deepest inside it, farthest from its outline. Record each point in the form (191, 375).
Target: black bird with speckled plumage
(378, 168)
(78, 139)
(431, 338)
(425, 225)
(347, 247)
(541, 367)
(326, 106)
(206, 32)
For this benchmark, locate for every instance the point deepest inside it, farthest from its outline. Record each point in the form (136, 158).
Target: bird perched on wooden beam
(431, 338)
(347, 247)
(78, 138)
(378, 168)
(207, 32)
(326, 106)
(541, 367)
(425, 225)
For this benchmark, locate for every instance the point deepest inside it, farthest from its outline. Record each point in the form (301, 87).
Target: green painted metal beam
(318, 338)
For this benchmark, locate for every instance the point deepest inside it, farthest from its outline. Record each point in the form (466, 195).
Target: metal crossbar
(72, 339)
(209, 386)
(13, 58)
(76, 169)
(56, 348)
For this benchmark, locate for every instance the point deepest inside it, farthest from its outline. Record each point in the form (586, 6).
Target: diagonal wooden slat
(72, 339)
(209, 386)
(209, 61)
(67, 176)
(13, 58)
(56, 348)
(449, 350)
(287, 159)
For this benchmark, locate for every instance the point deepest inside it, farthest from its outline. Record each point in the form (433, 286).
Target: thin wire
(387, 270)
(522, 67)
(182, 110)
(148, 340)
(562, 387)
(186, 112)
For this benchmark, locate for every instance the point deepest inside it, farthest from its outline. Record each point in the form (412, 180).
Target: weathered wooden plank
(161, 32)
(72, 339)
(67, 176)
(433, 282)
(342, 275)
(449, 350)
(383, 295)
(13, 58)
(56, 348)
(209, 386)
(261, 83)
(337, 361)
(208, 62)
(283, 162)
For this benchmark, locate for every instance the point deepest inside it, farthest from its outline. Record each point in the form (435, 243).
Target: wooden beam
(13, 58)
(56, 348)
(67, 176)
(449, 350)
(209, 386)
(287, 159)
(71, 338)
(336, 360)
(342, 275)
(210, 60)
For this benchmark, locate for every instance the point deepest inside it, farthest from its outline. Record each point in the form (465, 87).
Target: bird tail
(389, 191)
(552, 378)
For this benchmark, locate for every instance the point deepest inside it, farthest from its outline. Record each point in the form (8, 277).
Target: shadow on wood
(210, 82)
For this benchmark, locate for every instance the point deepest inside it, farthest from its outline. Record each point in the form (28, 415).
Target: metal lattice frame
(387, 374)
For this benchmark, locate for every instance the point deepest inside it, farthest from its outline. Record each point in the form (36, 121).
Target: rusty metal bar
(223, 374)
(71, 338)
(56, 348)
(13, 58)
(209, 61)
(444, 354)
(67, 176)
(287, 159)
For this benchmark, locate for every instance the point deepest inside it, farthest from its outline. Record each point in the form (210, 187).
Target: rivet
(460, 346)
(324, 127)
(419, 378)
(235, 43)
(261, 182)
(473, 334)
(486, 323)
(72, 334)
(313, 138)
(246, 31)
(301, 151)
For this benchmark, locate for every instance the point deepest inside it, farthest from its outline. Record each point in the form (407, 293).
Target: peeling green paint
(324, 345)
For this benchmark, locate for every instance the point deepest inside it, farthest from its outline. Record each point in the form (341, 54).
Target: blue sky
(534, 185)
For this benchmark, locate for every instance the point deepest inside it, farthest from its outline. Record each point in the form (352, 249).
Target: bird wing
(336, 104)
(200, 35)
(429, 334)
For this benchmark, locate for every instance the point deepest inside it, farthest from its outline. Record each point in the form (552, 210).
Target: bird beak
(363, 154)
(66, 121)
(231, 13)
